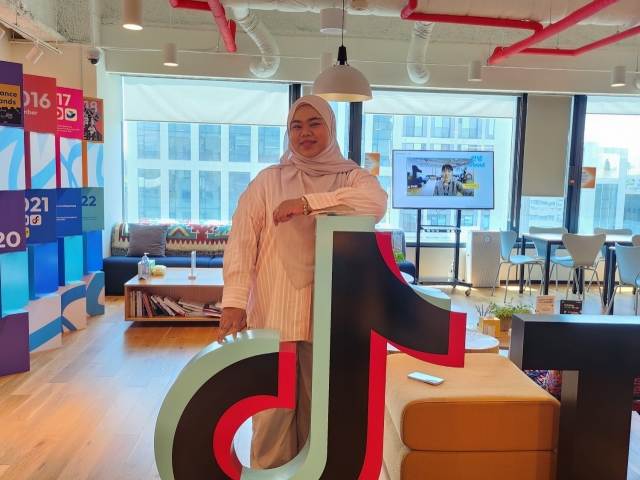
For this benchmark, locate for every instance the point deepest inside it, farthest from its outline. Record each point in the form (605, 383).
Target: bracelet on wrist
(305, 206)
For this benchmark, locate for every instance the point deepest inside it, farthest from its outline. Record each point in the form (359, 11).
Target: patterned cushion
(182, 239)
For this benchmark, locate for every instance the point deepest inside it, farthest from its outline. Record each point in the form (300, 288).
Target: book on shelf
(144, 303)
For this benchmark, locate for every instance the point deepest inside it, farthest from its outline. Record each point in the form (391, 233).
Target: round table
(475, 342)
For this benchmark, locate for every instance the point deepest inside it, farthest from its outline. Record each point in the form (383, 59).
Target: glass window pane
(239, 144)
(383, 138)
(269, 141)
(148, 140)
(210, 196)
(612, 150)
(210, 143)
(238, 182)
(180, 195)
(148, 193)
(179, 141)
(541, 212)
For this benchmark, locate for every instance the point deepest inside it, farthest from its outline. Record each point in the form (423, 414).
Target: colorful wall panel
(93, 164)
(43, 269)
(70, 260)
(70, 163)
(12, 229)
(45, 323)
(12, 163)
(95, 293)
(92, 209)
(41, 215)
(92, 251)
(69, 212)
(42, 160)
(14, 343)
(14, 282)
(73, 306)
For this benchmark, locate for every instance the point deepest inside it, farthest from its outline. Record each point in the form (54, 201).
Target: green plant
(508, 310)
(399, 256)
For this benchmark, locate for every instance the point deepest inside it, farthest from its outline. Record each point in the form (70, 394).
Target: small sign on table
(545, 304)
(570, 307)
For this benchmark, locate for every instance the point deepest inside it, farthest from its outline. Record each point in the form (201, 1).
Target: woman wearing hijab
(270, 257)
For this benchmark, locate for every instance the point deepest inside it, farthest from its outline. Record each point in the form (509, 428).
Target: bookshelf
(207, 287)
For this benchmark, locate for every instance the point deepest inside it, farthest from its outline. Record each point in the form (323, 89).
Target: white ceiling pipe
(416, 58)
(267, 65)
(623, 13)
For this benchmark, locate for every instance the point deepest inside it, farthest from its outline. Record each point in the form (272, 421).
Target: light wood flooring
(88, 409)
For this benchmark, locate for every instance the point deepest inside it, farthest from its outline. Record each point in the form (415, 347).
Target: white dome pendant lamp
(342, 82)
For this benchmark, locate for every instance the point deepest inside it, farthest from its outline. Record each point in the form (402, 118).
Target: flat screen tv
(441, 179)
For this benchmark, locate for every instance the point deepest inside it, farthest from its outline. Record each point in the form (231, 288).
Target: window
(180, 195)
(269, 144)
(442, 127)
(179, 141)
(441, 146)
(414, 146)
(383, 138)
(414, 127)
(385, 183)
(210, 143)
(238, 182)
(148, 193)
(239, 144)
(148, 140)
(210, 196)
(541, 212)
(470, 127)
(489, 128)
(612, 148)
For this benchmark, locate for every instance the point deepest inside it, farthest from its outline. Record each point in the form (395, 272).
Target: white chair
(507, 241)
(603, 250)
(583, 250)
(541, 247)
(629, 271)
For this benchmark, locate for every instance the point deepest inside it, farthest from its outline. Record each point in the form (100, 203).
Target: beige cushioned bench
(487, 420)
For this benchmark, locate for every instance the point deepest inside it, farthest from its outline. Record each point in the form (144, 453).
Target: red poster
(93, 120)
(39, 105)
(70, 103)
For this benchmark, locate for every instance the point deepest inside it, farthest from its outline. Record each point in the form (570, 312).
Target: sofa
(208, 241)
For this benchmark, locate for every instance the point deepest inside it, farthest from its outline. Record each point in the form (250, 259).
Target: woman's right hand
(232, 320)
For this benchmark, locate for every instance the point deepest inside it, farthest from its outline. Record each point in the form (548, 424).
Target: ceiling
(70, 19)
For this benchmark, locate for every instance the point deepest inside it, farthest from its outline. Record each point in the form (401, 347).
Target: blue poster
(69, 212)
(12, 229)
(40, 216)
(92, 209)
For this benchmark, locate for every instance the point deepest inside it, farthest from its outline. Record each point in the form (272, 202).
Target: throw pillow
(147, 238)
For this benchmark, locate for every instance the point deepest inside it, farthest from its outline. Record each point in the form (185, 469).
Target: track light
(170, 51)
(1, 33)
(618, 76)
(132, 14)
(475, 71)
(34, 54)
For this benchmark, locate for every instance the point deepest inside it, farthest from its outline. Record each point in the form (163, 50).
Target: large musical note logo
(360, 304)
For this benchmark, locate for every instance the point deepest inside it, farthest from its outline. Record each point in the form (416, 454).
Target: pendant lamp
(342, 82)
(132, 14)
(475, 71)
(170, 52)
(618, 76)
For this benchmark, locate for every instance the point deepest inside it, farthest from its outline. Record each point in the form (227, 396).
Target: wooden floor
(88, 409)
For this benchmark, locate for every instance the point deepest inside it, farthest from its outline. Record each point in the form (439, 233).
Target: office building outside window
(148, 193)
(148, 140)
(442, 127)
(179, 141)
(210, 196)
(269, 144)
(415, 127)
(180, 195)
(210, 143)
(238, 182)
(239, 144)
(383, 138)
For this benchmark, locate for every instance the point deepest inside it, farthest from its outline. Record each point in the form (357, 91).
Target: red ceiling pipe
(408, 13)
(227, 29)
(586, 48)
(501, 54)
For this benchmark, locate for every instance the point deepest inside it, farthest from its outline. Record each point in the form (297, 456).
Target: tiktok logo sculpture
(360, 304)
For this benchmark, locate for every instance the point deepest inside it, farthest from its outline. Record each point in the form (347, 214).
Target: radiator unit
(483, 257)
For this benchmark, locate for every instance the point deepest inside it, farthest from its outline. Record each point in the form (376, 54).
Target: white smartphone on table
(424, 378)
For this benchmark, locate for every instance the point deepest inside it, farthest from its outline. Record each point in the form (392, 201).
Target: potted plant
(506, 311)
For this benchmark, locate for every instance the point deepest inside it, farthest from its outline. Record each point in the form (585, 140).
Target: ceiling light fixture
(359, 5)
(618, 76)
(132, 14)
(170, 51)
(342, 82)
(34, 54)
(475, 71)
(332, 21)
(1, 33)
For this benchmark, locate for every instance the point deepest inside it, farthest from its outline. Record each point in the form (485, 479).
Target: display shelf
(207, 288)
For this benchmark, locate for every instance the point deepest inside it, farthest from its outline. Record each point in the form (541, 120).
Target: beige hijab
(299, 176)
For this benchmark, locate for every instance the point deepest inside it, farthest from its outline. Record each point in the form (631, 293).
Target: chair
(583, 250)
(635, 240)
(603, 250)
(629, 272)
(507, 241)
(541, 250)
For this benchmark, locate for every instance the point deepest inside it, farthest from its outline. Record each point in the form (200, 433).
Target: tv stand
(455, 281)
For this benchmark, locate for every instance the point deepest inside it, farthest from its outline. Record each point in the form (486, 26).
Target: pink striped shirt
(254, 276)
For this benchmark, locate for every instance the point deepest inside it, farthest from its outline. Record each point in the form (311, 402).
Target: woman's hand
(287, 210)
(232, 319)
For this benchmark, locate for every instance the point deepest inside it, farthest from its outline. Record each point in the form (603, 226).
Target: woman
(269, 259)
